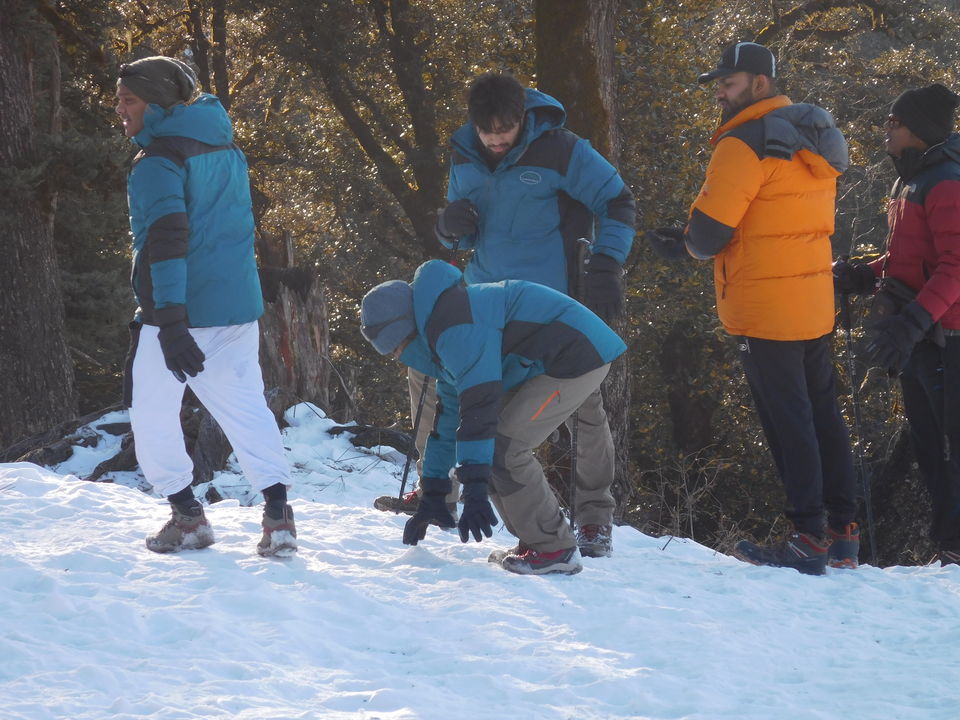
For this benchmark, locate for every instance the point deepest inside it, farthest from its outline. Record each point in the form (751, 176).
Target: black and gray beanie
(159, 80)
(386, 315)
(928, 112)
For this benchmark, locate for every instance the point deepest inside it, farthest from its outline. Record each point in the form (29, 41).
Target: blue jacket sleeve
(471, 355)
(158, 185)
(455, 192)
(597, 184)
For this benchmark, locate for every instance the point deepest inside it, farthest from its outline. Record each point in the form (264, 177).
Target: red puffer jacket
(923, 245)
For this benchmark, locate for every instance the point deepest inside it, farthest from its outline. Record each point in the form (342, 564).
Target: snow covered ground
(94, 626)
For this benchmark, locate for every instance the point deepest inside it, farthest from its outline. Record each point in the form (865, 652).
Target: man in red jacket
(923, 254)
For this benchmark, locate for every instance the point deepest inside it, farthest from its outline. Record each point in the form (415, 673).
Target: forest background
(344, 107)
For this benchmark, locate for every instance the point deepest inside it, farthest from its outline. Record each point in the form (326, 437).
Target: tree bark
(36, 373)
(294, 330)
(221, 79)
(575, 64)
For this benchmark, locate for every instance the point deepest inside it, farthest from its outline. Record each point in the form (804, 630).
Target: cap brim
(716, 73)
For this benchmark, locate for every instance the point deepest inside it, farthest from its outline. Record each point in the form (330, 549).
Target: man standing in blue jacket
(513, 360)
(523, 191)
(195, 279)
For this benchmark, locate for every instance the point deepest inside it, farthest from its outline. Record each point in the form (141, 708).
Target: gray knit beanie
(386, 315)
(159, 80)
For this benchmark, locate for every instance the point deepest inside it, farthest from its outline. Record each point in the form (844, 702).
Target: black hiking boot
(801, 551)
(844, 550)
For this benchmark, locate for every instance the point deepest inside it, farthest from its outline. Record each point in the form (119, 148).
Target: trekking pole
(847, 323)
(582, 245)
(413, 443)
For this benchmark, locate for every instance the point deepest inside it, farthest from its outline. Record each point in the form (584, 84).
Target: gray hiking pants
(519, 489)
(594, 502)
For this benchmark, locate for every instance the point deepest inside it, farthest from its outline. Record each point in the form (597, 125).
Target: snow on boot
(801, 551)
(279, 537)
(595, 540)
(497, 556)
(187, 529)
(533, 562)
(844, 550)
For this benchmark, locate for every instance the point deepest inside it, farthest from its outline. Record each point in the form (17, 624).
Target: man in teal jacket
(195, 279)
(513, 360)
(523, 192)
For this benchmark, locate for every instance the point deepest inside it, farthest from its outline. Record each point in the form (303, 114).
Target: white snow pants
(230, 387)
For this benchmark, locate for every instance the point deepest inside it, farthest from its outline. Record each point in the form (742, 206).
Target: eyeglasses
(892, 122)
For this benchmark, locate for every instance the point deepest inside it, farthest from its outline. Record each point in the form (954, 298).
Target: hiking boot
(948, 557)
(497, 556)
(533, 562)
(844, 550)
(801, 551)
(187, 529)
(279, 531)
(595, 540)
(408, 504)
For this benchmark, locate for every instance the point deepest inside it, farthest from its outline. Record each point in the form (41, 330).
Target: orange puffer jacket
(770, 188)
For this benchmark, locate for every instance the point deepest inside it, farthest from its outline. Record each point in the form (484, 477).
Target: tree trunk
(36, 373)
(294, 330)
(575, 64)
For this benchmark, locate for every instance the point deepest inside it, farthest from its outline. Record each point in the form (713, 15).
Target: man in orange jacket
(765, 214)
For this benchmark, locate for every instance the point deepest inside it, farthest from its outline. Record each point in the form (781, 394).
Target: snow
(357, 625)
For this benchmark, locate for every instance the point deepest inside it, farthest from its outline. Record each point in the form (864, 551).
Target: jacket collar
(751, 112)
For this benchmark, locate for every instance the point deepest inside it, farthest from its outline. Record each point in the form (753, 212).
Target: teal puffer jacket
(192, 219)
(480, 341)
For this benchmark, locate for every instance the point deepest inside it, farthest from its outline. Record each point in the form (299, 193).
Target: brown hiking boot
(279, 532)
(595, 540)
(187, 529)
(408, 504)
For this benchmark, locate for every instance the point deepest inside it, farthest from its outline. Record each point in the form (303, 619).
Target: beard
(735, 105)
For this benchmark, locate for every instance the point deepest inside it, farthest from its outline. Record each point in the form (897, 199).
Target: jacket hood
(429, 283)
(799, 130)
(541, 114)
(204, 119)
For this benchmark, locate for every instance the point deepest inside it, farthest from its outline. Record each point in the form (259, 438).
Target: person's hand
(668, 243)
(893, 338)
(604, 287)
(458, 218)
(180, 351)
(853, 278)
(477, 516)
(431, 510)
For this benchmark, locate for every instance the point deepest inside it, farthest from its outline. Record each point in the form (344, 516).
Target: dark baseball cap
(743, 57)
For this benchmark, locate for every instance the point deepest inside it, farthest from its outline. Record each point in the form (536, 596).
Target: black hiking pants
(931, 398)
(793, 386)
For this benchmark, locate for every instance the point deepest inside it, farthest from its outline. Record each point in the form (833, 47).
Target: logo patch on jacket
(530, 177)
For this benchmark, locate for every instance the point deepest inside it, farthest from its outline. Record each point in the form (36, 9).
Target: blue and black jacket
(531, 204)
(192, 219)
(480, 341)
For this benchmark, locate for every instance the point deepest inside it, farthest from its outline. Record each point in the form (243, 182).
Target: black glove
(477, 515)
(180, 351)
(668, 243)
(893, 338)
(432, 509)
(853, 279)
(458, 218)
(604, 286)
